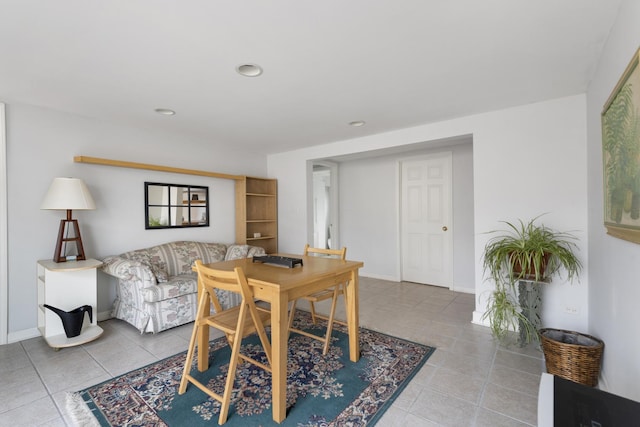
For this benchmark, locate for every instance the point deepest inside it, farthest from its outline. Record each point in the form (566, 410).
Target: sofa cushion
(180, 256)
(176, 286)
(153, 258)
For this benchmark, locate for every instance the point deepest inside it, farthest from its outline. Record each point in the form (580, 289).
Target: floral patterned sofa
(157, 288)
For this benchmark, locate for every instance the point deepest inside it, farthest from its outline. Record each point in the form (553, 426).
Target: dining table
(278, 285)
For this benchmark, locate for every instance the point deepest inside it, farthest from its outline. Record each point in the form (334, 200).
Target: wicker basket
(572, 355)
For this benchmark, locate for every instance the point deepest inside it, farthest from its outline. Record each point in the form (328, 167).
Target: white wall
(614, 264)
(369, 213)
(4, 288)
(463, 219)
(41, 145)
(527, 160)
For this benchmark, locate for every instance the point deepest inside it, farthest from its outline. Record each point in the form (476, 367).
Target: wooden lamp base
(65, 224)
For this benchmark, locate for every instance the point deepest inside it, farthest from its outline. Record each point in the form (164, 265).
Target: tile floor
(468, 381)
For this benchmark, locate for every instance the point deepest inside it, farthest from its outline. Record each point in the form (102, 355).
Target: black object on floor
(581, 406)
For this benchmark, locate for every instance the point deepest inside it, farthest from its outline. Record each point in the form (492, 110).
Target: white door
(426, 225)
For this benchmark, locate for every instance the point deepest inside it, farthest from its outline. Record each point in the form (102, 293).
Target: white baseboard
(398, 280)
(478, 320)
(22, 335)
(380, 277)
(104, 315)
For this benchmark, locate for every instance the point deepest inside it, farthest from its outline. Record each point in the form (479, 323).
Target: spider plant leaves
(526, 250)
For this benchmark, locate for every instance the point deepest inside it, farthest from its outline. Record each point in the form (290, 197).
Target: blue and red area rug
(321, 390)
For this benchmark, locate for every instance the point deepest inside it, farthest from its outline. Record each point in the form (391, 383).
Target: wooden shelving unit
(257, 212)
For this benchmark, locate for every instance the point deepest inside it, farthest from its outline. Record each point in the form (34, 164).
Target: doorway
(426, 220)
(325, 205)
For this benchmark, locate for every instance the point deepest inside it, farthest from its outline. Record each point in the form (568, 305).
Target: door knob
(444, 228)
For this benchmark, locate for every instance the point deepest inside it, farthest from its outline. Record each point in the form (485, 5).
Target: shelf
(257, 212)
(70, 265)
(260, 185)
(89, 333)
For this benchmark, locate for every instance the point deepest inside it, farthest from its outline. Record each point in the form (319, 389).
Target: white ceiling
(391, 63)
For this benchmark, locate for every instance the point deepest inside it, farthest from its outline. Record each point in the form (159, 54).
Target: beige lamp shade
(68, 193)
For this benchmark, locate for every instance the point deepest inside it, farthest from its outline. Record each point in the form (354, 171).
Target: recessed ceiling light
(249, 70)
(165, 111)
(357, 123)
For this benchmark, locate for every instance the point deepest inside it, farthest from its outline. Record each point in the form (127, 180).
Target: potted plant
(525, 251)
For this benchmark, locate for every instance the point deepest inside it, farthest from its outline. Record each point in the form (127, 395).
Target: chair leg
(327, 339)
(266, 345)
(292, 313)
(344, 296)
(313, 313)
(192, 343)
(233, 365)
(187, 364)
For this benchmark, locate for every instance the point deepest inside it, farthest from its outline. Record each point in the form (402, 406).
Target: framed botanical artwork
(621, 155)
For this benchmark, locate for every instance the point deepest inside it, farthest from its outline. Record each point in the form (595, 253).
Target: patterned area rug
(321, 390)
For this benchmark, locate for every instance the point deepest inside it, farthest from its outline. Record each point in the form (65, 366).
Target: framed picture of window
(621, 155)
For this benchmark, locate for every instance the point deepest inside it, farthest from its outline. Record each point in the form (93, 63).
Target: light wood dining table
(278, 286)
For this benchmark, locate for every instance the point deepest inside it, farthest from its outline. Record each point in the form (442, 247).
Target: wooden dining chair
(333, 293)
(236, 323)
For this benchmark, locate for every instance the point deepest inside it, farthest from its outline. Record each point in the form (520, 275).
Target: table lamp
(68, 194)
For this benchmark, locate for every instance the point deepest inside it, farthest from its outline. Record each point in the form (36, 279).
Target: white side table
(67, 286)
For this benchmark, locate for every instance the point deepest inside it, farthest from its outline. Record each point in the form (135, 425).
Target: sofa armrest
(242, 251)
(129, 271)
(255, 251)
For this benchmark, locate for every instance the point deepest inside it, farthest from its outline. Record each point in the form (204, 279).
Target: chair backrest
(232, 281)
(339, 253)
